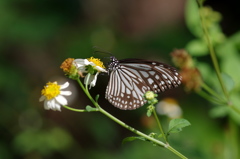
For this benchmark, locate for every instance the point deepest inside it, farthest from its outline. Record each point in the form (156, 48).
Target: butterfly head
(113, 64)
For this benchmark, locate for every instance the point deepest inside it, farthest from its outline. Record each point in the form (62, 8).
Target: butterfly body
(130, 79)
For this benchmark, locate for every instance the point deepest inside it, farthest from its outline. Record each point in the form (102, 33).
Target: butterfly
(130, 79)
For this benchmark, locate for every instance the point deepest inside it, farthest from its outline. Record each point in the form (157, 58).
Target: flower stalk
(212, 52)
(160, 126)
(89, 70)
(215, 61)
(153, 140)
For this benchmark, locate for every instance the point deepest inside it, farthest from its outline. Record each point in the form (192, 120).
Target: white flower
(169, 107)
(81, 64)
(53, 96)
(96, 64)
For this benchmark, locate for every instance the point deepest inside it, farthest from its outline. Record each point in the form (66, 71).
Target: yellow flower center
(96, 61)
(51, 90)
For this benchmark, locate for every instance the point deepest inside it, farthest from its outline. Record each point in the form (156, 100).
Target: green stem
(219, 100)
(142, 134)
(212, 52)
(212, 92)
(159, 125)
(160, 143)
(235, 109)
(78, 110)
(215, 62)
(85, 89)
(176, 152)
(209, 98)
(231, 147)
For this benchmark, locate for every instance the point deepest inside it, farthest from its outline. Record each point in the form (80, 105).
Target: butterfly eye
(130, 79)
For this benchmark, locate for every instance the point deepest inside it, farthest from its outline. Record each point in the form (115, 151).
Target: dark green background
(37, 36)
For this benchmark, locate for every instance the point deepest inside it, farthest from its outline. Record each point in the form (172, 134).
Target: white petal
(46, 105)
(61, 100)
(94, 80)
(51, 104)
(89, 77)
(100, 69)
(57, 107)
(86, 62)
(65, 85)
(66, 93)
(81, 62)
(42, 98)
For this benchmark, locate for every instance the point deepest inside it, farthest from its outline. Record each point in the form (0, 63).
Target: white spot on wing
(150, 81)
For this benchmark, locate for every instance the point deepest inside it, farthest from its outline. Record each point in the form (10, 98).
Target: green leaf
(219, 111)
(197, 48)
(90, 109)
(132, 138)
(160, 135)
(229, 83)
(228, 54)
(149, 113)
(192, 17)
(176, 125)
(96, 98)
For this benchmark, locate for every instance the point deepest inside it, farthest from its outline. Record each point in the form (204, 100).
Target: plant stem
(235, 108)
(212, 92)
(209, 98)
(212, 52)
(176, 152)
(142, 134)
(85, 89)
(160, 143)
(219, 100)
(78, 110)
(231, 146)
(159, 125)
(215, 62)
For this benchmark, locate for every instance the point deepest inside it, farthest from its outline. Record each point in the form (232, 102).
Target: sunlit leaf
(197, 48)
(229, 83)
(192, 18)
(228, 54)
(176, 125)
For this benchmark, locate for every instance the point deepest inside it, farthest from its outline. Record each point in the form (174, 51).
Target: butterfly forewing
(131, 78)
(125, 89)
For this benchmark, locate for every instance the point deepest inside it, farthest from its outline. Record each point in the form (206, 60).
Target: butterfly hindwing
(131, 78)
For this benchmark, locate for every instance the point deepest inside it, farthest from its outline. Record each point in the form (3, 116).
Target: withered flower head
(191, 79)
(182, 59)
(70, 69)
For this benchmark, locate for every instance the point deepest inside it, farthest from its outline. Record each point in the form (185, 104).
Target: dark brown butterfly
(130, 79)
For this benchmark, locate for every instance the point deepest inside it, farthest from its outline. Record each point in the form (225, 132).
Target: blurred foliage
(227, 51)
(36, 36)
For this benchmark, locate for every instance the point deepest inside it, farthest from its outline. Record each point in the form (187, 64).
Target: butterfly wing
(134, 77)
(125, 89)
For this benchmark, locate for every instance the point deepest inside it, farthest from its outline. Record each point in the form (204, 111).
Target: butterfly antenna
(101, 51)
